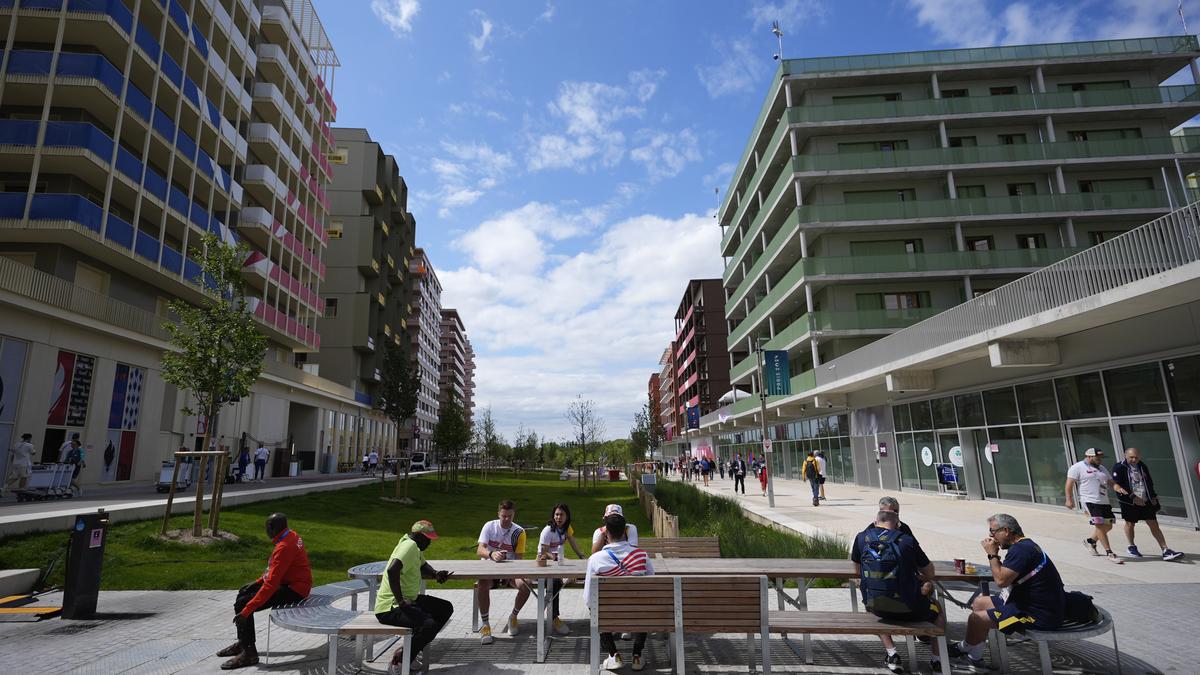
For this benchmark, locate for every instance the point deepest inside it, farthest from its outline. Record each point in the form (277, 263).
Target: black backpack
(880, 580)
(1079, 608)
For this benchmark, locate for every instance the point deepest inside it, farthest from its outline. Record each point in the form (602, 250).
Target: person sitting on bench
(288, 580)
(600, 536)
(499, 540)
(1036, 598)
(400, 601)
(895, 578)
(618, 558)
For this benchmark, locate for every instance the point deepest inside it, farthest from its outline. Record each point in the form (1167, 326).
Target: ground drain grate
(72, 629)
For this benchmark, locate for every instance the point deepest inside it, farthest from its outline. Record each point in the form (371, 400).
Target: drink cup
(960, 565)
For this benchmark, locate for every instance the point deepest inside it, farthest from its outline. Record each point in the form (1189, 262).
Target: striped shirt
(629, 561)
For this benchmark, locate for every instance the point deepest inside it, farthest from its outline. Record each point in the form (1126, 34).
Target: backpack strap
(620, 565)
(1040, 566)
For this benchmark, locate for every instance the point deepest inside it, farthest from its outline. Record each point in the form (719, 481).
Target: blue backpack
(881, 569)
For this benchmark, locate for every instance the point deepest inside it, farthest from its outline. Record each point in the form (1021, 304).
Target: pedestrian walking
(260, 462)
(243, 462)
(66, 448)
(1093, 480)
(738, 469)
(373, 461)
(20, 464)
(820, 455)
(77, 457)
(1139, 502)
(762, 478)
(812, 474)
(400, 601)
(721, 468)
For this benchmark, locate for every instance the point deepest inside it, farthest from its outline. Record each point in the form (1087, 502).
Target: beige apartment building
(424, 350)
(456, 369)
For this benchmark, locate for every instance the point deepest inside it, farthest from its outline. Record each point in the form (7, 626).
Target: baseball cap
(1092, 452)
(426, 528)
(613, 508)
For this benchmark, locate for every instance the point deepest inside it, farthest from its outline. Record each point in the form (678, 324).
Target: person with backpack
(1036, 597)
(811, 472)
(896, 581)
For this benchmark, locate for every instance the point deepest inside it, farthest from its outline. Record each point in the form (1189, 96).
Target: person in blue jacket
(1135, 491)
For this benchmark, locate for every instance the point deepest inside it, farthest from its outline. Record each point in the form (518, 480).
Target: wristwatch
(993, 555)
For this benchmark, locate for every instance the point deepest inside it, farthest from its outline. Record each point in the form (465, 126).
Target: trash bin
(614, 474)
(85, 555)
(649, 482)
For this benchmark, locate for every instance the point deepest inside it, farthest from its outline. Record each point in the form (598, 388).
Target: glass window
(943, 413)
(1000, 405)
(1135, 390)
(1080, 396)
(1012, 478)
(900, 417)
(910, 477)
(1047, 462)
(927, 456)
(1037, 402)
(970, 410)
(985, 463)
(1183, 381)
(847, 459)
(922, 417)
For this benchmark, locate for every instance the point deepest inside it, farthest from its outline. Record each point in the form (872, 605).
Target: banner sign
(776, 373)
(948, 473)
(693, 417)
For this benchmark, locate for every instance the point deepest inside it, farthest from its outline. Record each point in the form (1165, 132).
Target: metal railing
(1159, 246)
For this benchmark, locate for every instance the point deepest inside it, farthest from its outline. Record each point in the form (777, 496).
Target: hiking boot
(248, 657)
(232, 650)
(485, 635)
(1091, 545)
(560, 627)
(1133, 551)
(1168, 554)
(894, 663)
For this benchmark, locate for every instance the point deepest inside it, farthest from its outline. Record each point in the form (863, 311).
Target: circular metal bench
(316, 614)
(1073, 632)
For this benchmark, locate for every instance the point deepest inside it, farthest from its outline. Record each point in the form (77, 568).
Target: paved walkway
(951, 528)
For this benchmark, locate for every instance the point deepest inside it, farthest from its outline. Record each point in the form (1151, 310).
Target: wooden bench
(365, 624)
(680, 605)
(682, 547)
(857, 623)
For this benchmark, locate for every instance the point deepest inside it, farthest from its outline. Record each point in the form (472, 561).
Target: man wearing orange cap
(400, 602)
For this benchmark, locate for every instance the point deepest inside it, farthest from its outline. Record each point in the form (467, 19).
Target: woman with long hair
(551, 545)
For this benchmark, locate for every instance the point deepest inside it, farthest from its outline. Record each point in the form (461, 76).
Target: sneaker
(1133, 551)
(935, 666)
(1168, 554)
(822, 499)
(637, 662)
(966, 664)
(1114, 558)
(613, 662)
(626, 636)
(894, 663)
(485, 635)
(1091, 544)
(560, 627)
(511, 626)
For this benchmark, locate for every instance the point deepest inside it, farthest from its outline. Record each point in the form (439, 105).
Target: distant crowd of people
(704, 468)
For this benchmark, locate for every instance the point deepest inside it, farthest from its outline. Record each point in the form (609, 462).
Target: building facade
(371, 237)
(668, 411)
(424, 350)
(452, 371)
(130, 130)
(1002, 384)
(469, 385)
(700, 360)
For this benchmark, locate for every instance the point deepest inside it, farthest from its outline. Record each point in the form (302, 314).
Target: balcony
(373, 195)
(369, 268)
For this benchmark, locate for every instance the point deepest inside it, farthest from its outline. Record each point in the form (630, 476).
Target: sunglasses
(994, 531)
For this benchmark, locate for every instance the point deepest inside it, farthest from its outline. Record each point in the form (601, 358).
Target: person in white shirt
(20, 464)
(373, 461)
(821, 471)
(260, 463)
(501, 540)
(1093, 480)
(618, 558)
(65, 449)
(600, 536)
(552, 546)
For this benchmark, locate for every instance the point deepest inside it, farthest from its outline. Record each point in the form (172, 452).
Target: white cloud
(720, 176)
(740, 69)
(974, 23)
(397, 15)
(469, 171)
(479, 42)
(666, 154)
(558, 305)
(548, 13)
(791, 14)
(1139, 18)
(645, 82)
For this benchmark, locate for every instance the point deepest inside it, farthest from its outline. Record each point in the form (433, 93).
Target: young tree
(217, 352)
(487, 440)
(397, 398)
(451, 437)
(587, 426)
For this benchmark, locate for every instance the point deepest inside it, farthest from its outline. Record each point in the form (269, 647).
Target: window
(1003, 91)
(1037, 403)
(1094, 86)
(1135, 390)
(1022, 189)
(1000, 406)
(1011, 472)
(330, 308)
(970, 191)
(1012, 139)
(867, 98)
(943, 413)
(980, 243)
(887, 247)
(1105, 134)
(906, 300)
(340, 156)
(1116, 185)
(970, 410)
(335, 229)
(954, 93)
(90, 278)
(963, 141)
(873, 146)
(1047, 461)
(1031, 241)
(1183, 382)
(1080, 396)
(1103, 236)
(879, 196)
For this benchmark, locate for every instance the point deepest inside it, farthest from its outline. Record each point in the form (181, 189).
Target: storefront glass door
(1153, 439)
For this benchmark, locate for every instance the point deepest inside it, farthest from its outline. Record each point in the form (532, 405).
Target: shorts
(929, 613)
(1132, 513)
(501, 583)
(1098, 513)
(1011, 619)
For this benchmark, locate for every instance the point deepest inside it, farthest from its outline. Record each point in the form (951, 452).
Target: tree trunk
(209, 414)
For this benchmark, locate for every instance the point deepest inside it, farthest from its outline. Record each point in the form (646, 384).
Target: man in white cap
(600, 536)
(1093, 481)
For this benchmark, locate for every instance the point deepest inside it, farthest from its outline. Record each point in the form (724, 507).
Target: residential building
(469, 384)
(424, 350)
(653, 407)
(452, 371)
(365, 296)
(1010, 203)
(129, 130)
(669, 412)
(700, 360)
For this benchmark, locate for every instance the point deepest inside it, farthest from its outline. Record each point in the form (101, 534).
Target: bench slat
(366, 624)
(846, 623)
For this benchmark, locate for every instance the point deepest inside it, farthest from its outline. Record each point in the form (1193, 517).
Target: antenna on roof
(779, 36)
(717, 199)
(1182, 19)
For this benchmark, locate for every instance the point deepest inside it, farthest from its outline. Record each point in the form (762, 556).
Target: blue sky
(561, 156)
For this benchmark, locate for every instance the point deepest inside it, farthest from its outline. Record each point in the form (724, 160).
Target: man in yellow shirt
(400, 602)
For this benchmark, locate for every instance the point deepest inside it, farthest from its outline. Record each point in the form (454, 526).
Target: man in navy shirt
(1035, 595)
(910, 580)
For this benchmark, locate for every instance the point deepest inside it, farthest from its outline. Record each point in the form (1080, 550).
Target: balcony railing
(759, 219)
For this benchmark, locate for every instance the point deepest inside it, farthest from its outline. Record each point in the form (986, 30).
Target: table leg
(802, 598)
(331, 667)
(475, 605)
(541, 620)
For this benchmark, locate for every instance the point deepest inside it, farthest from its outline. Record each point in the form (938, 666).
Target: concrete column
(1182, 182)
(738, 194)
(1060, 179)
(792, 138)
(943, 135)
(760, 199)
(771, 325)
(950, 185)
(816, 355)
(1040, 80)
(959, 240)
(762, 239)
(1195, 71)
(933, 83)
(787, 93)
(767, 279)
(808, 297)
(1167, 187)
(970, 292)
(756, 160)
(1070, 227)
(799, 194)
(746, 304)
(803, 244)
(1050, 129)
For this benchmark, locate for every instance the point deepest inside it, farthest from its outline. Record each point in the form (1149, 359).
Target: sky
(562, 156)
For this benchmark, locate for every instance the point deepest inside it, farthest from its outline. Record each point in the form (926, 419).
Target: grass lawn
(340, 528)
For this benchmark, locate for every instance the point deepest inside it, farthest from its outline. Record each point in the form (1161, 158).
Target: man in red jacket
(288, 579)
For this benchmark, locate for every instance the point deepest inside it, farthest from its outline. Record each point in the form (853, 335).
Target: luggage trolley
(183, 482)
(47, 481)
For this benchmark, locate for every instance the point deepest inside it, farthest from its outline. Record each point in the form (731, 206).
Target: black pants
(739, 479)
(609, 645)
(245, 629)
(260, 468)
(555, 588)
(426, 615)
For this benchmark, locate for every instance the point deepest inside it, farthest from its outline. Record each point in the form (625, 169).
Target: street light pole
(762, 399)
